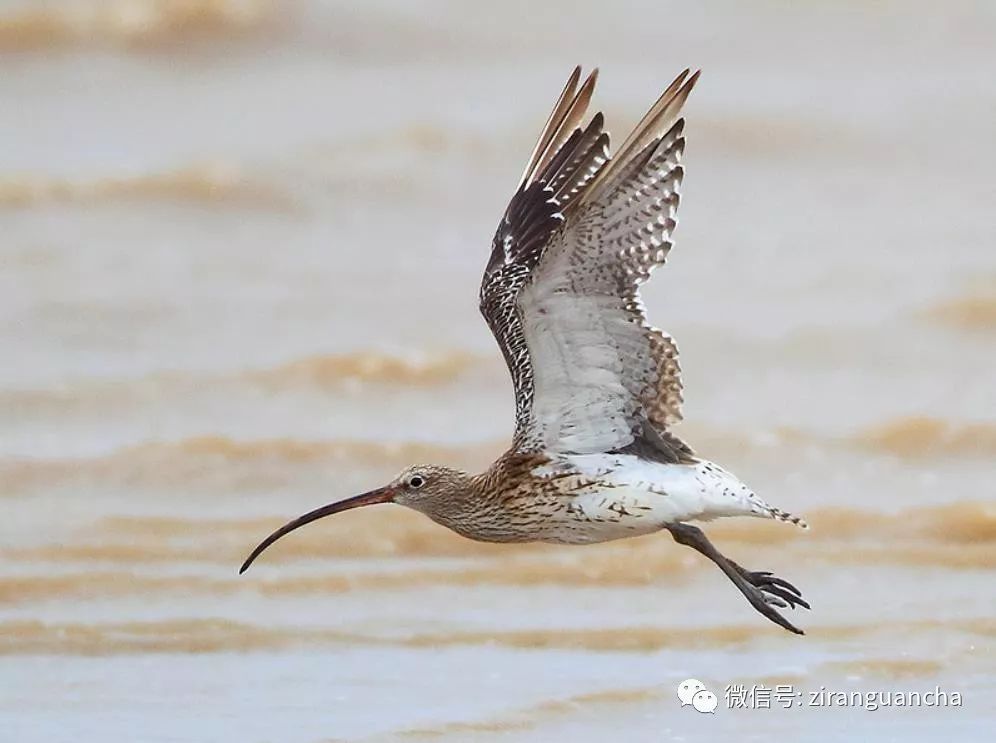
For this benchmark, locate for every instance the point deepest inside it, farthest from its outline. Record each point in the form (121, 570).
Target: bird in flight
(597, 388)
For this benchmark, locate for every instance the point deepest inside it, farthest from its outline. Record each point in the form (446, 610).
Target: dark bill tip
(381, 495)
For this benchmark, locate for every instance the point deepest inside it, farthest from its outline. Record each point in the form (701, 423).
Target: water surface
(241, 249)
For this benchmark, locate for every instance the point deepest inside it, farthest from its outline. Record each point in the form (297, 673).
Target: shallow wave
(134, 23)
(908, 437)
(108, 584)
(923, 436)
(206, 635)
(609, 567)
(380, 368)
(284, 449)
(529, 717)
(972, 312)
(961, 523)
(324, 373)
(178, 636)
(224, 463)
(215, 185)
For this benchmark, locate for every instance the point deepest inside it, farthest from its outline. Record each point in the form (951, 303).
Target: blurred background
(241, 243)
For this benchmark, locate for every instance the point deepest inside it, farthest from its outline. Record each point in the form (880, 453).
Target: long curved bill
(380, 495)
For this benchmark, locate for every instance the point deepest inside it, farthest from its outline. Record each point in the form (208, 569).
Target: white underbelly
(629, 497)
(606, 514)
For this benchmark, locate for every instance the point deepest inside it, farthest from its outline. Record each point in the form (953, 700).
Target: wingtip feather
(570, 121)
(552, 123)
(658, 120)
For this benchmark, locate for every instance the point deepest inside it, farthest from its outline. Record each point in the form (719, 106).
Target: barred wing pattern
(561, 290)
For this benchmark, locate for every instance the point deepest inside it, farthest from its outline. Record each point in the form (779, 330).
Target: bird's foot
(763, 590)
(777, 591)
(766, 591)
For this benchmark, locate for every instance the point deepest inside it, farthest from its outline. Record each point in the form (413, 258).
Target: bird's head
(430, 489)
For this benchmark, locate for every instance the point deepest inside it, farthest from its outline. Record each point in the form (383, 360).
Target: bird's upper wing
(561, 289)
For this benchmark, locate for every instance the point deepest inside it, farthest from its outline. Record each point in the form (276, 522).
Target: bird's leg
(762, 589)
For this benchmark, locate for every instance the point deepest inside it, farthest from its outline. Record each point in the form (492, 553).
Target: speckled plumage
(561, 290)
(596, 385)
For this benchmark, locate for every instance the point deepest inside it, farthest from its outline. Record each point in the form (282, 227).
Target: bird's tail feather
(780, 515)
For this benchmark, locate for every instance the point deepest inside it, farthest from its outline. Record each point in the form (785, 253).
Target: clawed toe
(765, 604)
(786, 597)
(776, 581)
(777, 591)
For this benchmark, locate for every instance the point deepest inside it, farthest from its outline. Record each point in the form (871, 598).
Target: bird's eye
(416, 481)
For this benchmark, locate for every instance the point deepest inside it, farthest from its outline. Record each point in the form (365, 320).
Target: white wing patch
(581, 404)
